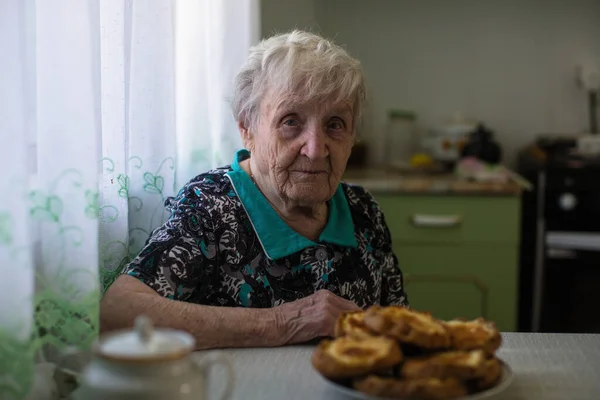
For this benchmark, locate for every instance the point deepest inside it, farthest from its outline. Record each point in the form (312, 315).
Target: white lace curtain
(106, 108)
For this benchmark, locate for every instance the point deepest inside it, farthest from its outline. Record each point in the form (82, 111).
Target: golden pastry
(397, 352)
(425, 388)
(490, 374)
(348, 357)
(452, 364)
(475, 334)
(408, 326)
(351, 323)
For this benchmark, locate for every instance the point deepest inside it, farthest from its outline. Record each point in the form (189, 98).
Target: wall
(283, 15)
(510, 63)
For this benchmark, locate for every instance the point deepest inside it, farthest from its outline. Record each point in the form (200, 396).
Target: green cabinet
(459, 254)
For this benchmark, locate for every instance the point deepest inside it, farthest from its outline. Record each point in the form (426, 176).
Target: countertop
(545, 366)
(377, 180)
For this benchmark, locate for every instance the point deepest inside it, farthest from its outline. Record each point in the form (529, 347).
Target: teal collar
(277, 238)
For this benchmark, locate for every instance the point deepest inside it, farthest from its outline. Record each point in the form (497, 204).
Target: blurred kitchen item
(420, 163)
(421, 160)
(588, 77)
(588, 145)
(401, 140)
(476, 169)
(593, 107)
(149, 363)
(445, 143)
(482, 146)
(573, 149)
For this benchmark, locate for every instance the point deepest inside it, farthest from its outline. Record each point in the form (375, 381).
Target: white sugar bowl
(151, 364)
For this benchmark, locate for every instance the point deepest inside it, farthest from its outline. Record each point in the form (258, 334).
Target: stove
(560, 238)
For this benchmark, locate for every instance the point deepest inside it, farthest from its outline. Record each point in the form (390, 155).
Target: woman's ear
(246, 136)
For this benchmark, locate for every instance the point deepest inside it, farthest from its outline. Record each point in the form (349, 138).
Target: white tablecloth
(546, 366)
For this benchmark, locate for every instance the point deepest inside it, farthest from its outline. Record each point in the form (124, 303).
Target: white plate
(505, 381)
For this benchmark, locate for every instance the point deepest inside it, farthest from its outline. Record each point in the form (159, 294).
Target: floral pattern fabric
(208, 253)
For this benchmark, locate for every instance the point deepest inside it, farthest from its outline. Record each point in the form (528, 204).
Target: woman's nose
(315, 146)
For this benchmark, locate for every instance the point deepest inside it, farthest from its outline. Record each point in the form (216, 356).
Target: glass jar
(401, 138)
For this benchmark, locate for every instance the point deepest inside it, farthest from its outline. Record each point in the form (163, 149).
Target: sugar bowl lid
(145, 343)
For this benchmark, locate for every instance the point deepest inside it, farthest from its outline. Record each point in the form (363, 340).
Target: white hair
(299, 64)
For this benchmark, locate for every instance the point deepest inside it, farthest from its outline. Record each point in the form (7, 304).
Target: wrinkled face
(300, 149)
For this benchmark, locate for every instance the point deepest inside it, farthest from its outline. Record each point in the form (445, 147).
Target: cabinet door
(448, 296)
(471, 219)
(465, 281)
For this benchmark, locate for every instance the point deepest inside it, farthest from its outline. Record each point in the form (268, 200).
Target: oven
(571, 290)
(566, 276)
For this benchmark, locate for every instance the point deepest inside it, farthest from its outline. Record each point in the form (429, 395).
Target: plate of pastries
(396, 352)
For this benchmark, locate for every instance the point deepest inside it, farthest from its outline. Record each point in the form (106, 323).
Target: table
(546, 366)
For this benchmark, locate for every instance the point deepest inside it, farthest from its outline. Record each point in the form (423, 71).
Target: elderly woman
(269, 250)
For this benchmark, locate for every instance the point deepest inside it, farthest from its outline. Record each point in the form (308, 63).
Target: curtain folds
(106, 109)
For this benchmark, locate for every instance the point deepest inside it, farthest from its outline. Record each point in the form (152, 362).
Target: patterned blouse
(224, 245)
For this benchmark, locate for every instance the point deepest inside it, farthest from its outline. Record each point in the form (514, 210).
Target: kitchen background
(510, 63)
(518, 245)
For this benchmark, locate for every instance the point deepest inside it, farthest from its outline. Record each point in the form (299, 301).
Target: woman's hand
(311, 317)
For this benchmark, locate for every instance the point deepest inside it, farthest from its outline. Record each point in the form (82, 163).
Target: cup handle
(210, 361)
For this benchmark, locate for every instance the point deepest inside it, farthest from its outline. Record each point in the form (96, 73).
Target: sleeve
(392, 282)
(177, 258)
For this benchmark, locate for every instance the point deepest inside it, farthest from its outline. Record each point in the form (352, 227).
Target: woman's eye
(336, 125)
(292, 122)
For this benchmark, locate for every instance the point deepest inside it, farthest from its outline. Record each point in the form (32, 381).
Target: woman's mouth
(311, 172)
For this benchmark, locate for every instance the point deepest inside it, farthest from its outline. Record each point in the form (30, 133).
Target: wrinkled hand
(311, 317)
